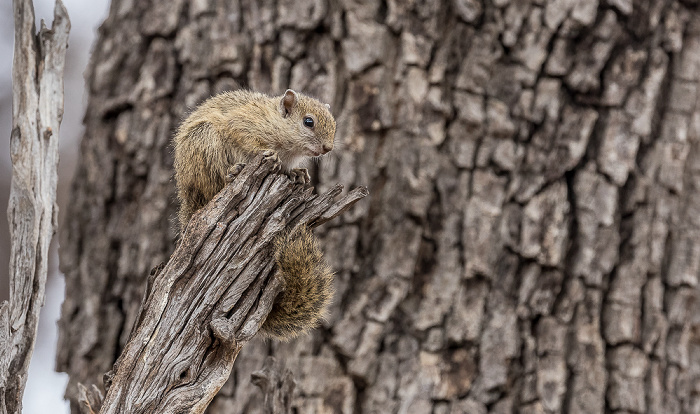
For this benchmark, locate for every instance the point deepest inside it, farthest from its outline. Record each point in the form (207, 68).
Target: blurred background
(44, 392)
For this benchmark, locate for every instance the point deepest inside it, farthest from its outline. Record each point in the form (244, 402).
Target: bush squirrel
(230, 129)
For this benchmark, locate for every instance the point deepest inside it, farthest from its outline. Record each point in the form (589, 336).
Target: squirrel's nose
(327, 148)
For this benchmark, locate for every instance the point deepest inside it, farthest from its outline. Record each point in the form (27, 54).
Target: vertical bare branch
(37, 109)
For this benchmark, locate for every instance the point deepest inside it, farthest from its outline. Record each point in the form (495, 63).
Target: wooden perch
(37, 109)
(213, 294)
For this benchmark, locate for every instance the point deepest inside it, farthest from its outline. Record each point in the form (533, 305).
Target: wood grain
(214, 293)
(37, 110)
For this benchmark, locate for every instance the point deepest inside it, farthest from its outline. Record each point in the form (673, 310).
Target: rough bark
(532, 242)
(37, 109)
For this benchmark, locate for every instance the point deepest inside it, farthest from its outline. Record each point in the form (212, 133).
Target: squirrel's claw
(300, 175)
(233, 171)
(271, 155)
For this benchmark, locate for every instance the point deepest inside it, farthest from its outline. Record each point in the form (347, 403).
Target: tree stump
(214, 293)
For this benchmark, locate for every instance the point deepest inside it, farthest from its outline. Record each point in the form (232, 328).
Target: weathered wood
(37, 110)
(89, 399)
(214, 293)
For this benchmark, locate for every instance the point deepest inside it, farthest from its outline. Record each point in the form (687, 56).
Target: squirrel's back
(233, 127)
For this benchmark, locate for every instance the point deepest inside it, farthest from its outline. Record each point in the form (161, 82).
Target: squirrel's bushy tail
(308, 286)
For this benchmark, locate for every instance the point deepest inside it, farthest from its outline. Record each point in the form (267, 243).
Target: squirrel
(230, 129)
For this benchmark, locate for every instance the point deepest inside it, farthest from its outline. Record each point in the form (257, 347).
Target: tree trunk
(531, 243)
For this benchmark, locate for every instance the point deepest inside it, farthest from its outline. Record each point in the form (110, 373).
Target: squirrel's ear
(288, 102)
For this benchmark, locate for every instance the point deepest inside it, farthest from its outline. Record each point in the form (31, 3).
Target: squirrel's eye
(308, 122)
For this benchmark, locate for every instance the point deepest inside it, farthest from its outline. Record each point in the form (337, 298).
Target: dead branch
(214, 293)
(37, 93)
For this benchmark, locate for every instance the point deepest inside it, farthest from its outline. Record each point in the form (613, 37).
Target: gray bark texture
(277, 384)
(37, 110)
(532, 239)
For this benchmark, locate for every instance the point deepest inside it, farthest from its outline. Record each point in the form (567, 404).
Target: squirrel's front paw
(271, 155)
(233, 171)
(300, 175)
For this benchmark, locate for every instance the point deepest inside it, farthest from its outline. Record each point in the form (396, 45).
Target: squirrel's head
(313, 120)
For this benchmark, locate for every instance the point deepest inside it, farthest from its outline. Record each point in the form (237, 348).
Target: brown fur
(308, 286)
(232, 128)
